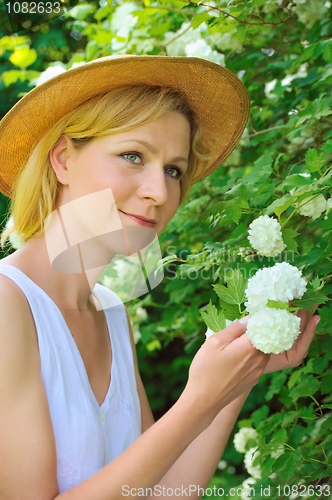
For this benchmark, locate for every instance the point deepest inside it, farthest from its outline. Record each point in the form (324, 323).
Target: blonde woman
(131, 132)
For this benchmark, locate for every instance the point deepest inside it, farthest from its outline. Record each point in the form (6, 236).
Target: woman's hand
(295, 355)
(226, 366)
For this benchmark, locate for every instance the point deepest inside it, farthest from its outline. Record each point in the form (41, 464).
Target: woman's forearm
(198, 462)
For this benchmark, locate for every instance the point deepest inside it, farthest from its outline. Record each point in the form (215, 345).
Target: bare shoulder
(16, 320)
(26, 434)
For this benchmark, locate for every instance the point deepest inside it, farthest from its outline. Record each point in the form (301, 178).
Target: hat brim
(215, 94)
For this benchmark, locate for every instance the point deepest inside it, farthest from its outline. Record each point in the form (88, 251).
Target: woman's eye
(131, 156)
(176, 173)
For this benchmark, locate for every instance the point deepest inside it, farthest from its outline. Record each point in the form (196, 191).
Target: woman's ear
(59, 155)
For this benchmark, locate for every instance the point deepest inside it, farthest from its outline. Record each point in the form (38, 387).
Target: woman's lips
(141, 222)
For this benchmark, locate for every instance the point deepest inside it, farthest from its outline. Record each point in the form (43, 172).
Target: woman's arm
(197, 464)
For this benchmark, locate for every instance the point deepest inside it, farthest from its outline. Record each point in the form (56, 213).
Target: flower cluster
(313, 206)
(14, 238)
(310, 11)
(273, 330)
(241, 440)
(265, 236)
(249, 458)
(242, 437)
(193, 43)
(246, 488)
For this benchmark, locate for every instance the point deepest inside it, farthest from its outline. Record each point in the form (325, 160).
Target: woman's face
(142, 167)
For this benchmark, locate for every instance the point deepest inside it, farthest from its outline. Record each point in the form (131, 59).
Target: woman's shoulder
(16, 320)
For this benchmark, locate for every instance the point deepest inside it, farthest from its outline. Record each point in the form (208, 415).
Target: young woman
(99, 151)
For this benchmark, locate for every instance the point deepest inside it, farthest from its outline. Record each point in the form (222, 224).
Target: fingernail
(318, 320)
(244, 321)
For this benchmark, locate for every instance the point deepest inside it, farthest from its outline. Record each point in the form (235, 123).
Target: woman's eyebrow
(153, 150)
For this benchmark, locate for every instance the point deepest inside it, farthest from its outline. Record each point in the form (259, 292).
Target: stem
(314, 399)
(267, 130)
(291, 215)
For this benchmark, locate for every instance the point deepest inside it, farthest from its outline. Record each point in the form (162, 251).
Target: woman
(130, 132)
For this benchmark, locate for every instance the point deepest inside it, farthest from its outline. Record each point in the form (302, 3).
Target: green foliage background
(289, 133)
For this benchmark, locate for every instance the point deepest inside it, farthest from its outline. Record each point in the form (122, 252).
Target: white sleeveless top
(87, 436)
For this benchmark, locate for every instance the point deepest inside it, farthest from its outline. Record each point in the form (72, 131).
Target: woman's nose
(153, 185)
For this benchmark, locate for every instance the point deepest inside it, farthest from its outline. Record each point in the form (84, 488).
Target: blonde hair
(36, 193)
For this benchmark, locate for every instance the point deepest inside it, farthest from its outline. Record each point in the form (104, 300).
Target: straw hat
(215, 94)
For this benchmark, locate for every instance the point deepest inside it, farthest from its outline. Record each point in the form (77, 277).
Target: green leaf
(217, 208)
(295, 376)
(12, 76)
(279, 209)
(262, 168)
(295, 181)
(289, 417)
(81, 12)
(327, 147)
(233, 211)
(287, 199)
(286, 463)
(288, 236)
(314, 160)
(276, 383)
(199, 19)
(306, 387)
(23, 57)
(308, 53)
(213, 318)
(326, 51)
(316, 283)
(260, 414)
(277, 304)
(234, 292)
(231, 311)
(309, 299)
(326, 384)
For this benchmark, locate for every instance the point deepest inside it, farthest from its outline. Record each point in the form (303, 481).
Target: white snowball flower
(49, 73)
(200, 48)
(269, 86)
(265, 236)
(14, 238)
(141, 313)
(313, 206)
(249, 457)
(301, 73)
(242, 437)
(310, 11)
(281, 282)
(208, 333)
(328, 204)
(224, 41)
(273, 330)
(246, 489)
(77, 64)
